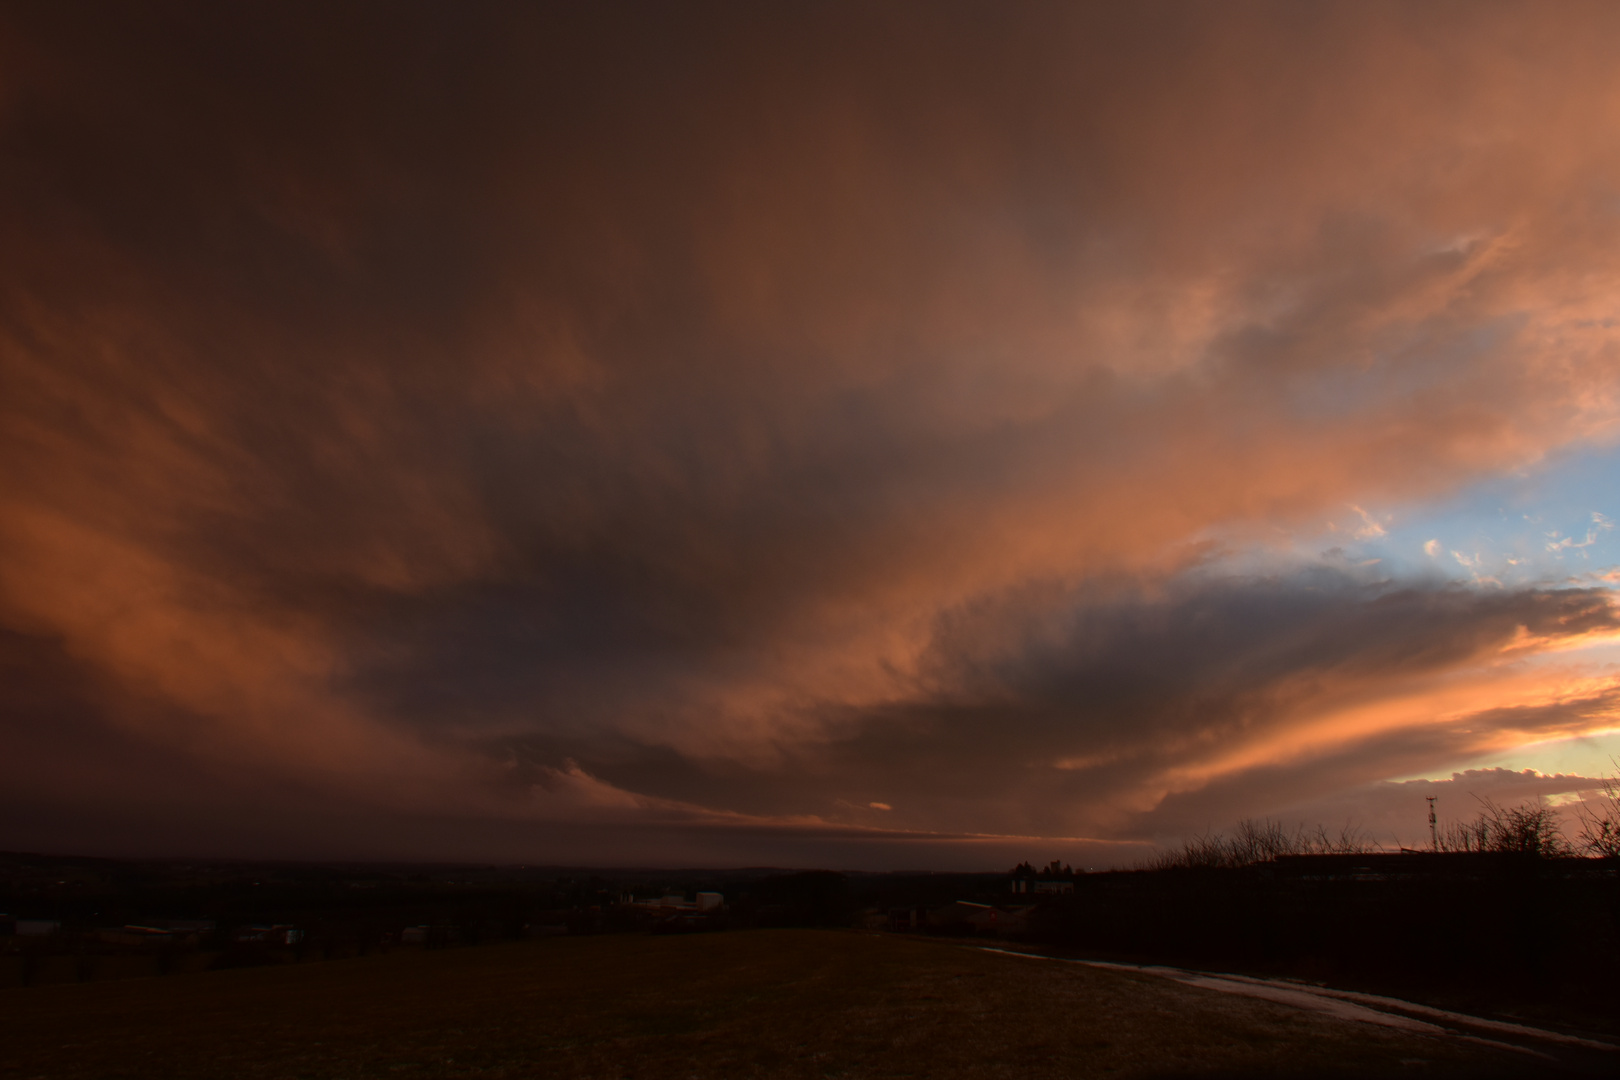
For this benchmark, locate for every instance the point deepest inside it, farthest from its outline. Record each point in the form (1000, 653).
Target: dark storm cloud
(1346, 788)
(507, 413)
(1058, 712)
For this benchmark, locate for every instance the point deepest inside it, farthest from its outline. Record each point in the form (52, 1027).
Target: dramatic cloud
(717, 431)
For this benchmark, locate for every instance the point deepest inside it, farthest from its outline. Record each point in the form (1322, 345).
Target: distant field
(789, 1003)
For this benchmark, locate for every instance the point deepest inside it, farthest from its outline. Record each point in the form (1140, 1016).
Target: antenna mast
(1434, 834)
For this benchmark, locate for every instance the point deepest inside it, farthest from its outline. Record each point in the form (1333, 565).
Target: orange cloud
(559, 420)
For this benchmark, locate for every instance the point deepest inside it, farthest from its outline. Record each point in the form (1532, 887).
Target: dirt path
(1554, 1047)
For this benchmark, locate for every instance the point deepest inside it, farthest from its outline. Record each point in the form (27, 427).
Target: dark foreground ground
(788, 1003)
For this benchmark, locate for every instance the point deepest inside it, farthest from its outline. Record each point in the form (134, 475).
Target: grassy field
(787, 1003)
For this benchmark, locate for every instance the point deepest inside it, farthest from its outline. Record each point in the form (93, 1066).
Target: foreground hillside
(791, 1003)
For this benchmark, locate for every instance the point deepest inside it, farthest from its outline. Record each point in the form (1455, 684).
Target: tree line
(1531, 828)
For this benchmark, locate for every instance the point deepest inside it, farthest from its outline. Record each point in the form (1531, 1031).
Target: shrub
(1258, 840)
(1527, 829)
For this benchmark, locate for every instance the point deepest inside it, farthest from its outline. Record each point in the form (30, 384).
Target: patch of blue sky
(1549, 524)
(1541, 525)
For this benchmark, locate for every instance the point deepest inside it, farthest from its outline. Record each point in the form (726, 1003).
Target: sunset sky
(872, 435)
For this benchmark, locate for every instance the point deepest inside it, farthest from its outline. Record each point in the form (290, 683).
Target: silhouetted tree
(1527, 829)
(1600, 820)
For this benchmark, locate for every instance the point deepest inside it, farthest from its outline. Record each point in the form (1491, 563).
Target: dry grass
(785, 1003)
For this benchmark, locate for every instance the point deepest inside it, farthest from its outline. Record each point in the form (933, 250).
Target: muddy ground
(783, 1003)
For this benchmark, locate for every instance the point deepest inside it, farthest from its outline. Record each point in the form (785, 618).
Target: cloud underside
(532, 433)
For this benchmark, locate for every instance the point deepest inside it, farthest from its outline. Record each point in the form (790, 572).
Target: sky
(863, 436)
